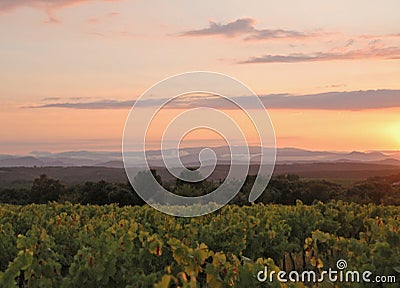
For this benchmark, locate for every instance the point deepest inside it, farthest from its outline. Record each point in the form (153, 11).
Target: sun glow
(394, 134)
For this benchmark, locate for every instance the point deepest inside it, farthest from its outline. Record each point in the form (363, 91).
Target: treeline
(287, 189)
(45, 189)
(283, 189)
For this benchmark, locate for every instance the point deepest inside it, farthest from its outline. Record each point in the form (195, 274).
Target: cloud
(349, 100)
(49, 6)
(101, 104)
(245, 27)
(102, 18)
(267, 34)
(347, 47)
(51, 99)
(7, 5)
(349, 43)
(232, 29)
(392, 52)
(346, 100)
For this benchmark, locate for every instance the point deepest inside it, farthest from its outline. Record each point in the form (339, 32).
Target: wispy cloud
(245, 27)
(102, 18)
(269, 34)
(100, 104)
(346, 100)
(49, 6)
(6, 5)
(231, 29)
(348, 47)
(51, 99)
(124, 33)
(392, 52)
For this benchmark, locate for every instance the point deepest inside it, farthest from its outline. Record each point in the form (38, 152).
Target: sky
(327, 72)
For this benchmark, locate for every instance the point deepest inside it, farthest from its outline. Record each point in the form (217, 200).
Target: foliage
(67, 245)
(282, 189)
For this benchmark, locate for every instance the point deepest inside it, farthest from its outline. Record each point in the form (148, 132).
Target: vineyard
(65, 245)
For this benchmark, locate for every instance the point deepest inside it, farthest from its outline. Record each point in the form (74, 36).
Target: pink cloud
(246, 27)
(6, 5)
(374, 53)
(102, 18)
(49, 6)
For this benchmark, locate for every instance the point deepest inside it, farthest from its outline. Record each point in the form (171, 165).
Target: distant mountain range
(189, 156)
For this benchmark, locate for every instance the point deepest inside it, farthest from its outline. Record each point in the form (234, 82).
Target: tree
(14, 196)
(95, 193)
(145, 184)
(369, 191)
(45, 189)
(194, 176)
(124, 195)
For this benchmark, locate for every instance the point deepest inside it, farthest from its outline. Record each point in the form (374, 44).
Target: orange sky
(90, 52)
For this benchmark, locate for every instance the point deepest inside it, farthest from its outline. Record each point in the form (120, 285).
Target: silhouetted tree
(194, 176)
(15, 196)
(45, 189)
(95, 193)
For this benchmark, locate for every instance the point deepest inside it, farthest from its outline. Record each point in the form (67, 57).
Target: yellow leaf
(164, 283)
(219, 259)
